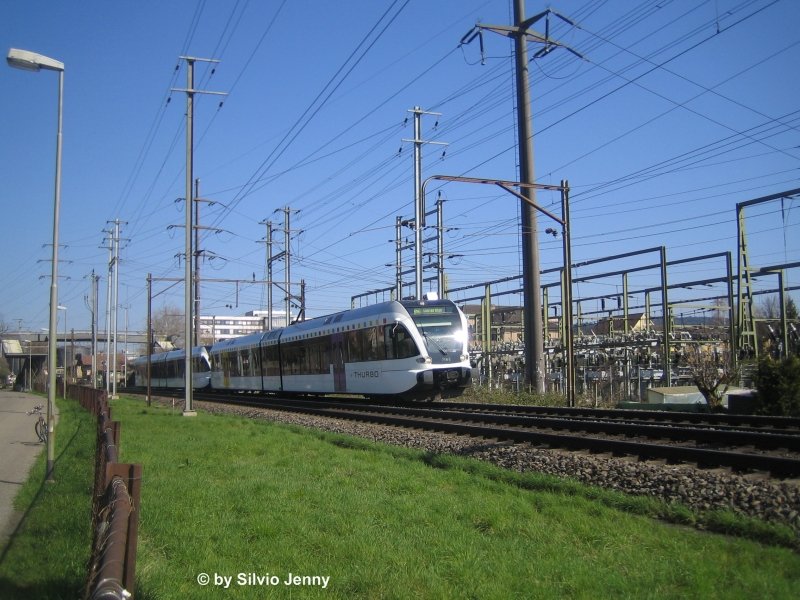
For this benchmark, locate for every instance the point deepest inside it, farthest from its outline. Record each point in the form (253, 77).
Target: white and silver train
(168, 369)
(410, 349)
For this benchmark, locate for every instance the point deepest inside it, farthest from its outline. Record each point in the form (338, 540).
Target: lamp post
(31, 61)
(64, 308)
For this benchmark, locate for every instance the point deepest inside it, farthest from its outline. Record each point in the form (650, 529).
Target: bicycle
(41, 425)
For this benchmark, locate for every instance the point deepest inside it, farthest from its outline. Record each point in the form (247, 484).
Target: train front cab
(442, 331)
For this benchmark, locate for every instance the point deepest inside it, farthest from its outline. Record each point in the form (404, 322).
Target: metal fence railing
(115, 506)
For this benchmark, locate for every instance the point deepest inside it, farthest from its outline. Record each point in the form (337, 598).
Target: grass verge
(253, 504)
(48, 555)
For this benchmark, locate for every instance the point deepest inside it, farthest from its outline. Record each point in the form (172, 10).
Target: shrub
(778, 385)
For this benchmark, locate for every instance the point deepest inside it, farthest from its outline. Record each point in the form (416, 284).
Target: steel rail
(589, 423)
(517, 428)
(678, 417)
(725, 437)
(778, 466)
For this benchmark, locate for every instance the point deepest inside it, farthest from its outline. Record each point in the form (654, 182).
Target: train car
(411, 349)
(168, 369)
(236, 364)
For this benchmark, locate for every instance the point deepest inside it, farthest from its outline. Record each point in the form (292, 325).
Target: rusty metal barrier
(115, 506)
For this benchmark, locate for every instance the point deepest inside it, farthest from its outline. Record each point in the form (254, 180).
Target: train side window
(326, 355)
(354, 348)
(402, 343)
(373, 343)
(224, 363)
(388, 341)
(244, 356)
(271, 362)
(378, 343)
(232, 364)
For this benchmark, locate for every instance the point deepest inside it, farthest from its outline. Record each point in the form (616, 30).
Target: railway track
(740, 443)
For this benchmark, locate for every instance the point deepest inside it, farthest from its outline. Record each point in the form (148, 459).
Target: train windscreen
(441, 329)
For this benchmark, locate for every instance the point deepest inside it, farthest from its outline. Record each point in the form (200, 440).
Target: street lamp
(30, 61)
(64, 308)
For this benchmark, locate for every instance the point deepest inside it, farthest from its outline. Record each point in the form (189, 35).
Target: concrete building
(216, 328)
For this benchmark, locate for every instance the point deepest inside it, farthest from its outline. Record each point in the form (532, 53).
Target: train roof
(327, 323)
(244, 341)
(365, 312)
(172, 355)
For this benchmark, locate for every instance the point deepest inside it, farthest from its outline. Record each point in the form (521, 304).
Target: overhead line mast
(188, 292)
(520, 31)
(419, 200)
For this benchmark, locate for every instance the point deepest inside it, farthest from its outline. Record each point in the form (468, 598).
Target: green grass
(224, 496)
(227, 496)
(47, 556)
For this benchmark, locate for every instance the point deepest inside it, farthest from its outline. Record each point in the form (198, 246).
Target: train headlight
(463, 357)
(424, 360)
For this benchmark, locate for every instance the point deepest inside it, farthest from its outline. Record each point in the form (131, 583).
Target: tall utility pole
(109, 279)
(196, 258)
(287, 252)
(149, 334)
(566, 295)
(440, 246)
(93, 310)
(115, 296)
(534, 327)
(398, 253)
(188, 409)
(287, 255)
(268, 271)
(114, 304)
(198, 252)
(419, 201)
(401, 244)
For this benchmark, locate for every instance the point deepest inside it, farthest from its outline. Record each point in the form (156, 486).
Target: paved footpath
(19, 448)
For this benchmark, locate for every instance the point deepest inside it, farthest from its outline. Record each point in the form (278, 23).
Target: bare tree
(168, 322)
(712, 374)
(769, 307)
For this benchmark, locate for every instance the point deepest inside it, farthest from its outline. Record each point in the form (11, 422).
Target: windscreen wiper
(434, 342)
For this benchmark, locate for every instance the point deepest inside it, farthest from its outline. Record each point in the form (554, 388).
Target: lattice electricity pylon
(746, 324)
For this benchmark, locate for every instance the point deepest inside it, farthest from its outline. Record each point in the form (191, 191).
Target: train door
(339, 376)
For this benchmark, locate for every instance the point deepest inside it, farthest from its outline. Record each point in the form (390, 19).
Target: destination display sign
(431, 310)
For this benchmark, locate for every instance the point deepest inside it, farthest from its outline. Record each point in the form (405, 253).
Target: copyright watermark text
(262, 580)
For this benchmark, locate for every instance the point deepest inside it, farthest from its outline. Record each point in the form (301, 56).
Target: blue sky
(679, 110)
